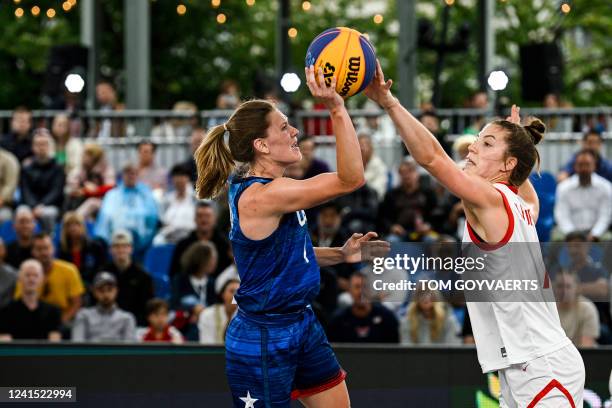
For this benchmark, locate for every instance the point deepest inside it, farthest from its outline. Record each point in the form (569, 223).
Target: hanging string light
(181, 9)
(19, 12)
(221, 18)
(51, 13)
(35, 11)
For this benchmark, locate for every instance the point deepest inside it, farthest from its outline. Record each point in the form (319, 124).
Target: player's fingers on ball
(320, 76)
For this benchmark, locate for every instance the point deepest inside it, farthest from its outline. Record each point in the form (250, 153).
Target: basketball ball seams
(344, 64)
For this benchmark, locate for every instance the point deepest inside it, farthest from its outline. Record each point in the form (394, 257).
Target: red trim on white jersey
(552, 384)
(491, 247)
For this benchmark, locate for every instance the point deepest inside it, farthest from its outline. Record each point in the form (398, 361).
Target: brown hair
(215, 160)
(522, 141)
(196, 256)
(69, 217)
(155, 305)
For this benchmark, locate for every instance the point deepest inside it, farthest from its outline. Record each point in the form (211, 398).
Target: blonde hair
(95, 151)
(215, 160)
(439, 314)
(69, 217)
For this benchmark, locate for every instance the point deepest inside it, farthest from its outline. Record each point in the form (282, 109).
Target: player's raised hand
(327, 95)
(515, 116)
(352, 249)
(379, 90)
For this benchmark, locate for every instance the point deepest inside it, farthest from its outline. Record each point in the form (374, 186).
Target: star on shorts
(248, 401)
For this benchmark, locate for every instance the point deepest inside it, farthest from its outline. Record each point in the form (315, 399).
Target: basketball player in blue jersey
(276, 349)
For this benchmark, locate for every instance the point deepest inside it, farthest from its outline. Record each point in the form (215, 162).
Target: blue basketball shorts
(275, 359)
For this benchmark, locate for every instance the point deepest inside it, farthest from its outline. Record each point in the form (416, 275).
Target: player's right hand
(327, 95)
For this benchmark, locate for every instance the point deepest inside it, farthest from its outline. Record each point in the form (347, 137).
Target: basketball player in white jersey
(537, 364)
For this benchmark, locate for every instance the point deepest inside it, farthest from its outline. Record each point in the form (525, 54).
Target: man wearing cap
(63, 286)
(28, 317)
(105, 321)
(134, 283)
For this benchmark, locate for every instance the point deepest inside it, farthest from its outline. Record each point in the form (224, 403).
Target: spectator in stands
(159, 330)
(197, 135)
(8, 277)
(429, 320)
(213, 320)
(68, 149)
(364, 321)
(106, 97)
(19, 141)
(460, 148)
(134, 283)
(105, 321)
(87, 254)
(578, 315)
(177, 208)
(479, 100)
(177, 127)
(584, 201)
(593, 141)
(87, 184)
(359, 209)
(405, 211)
(9, 179)
(376, 172)
(194, 288)
(63, 285)
(328, 232)
(130, 206)
(555, 123)
(206, 231)
(24, 226)
(28, 317)
(592, 279)
(149, 172)
(311, 165)
(42, 182)
(431, 121)
(229, 97)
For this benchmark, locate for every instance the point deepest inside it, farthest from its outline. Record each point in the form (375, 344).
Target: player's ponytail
(214, 163)
(215, 160)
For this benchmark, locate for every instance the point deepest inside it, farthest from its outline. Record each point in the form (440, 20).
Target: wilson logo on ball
(345, 54)
(352, 76)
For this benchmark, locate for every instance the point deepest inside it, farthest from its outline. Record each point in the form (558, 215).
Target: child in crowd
(159, 329)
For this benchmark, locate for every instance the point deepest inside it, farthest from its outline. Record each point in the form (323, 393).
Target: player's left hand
(352, 247)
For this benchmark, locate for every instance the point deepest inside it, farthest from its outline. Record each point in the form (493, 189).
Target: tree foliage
(192, 54)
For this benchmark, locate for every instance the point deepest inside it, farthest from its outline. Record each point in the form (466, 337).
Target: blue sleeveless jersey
(278, 274)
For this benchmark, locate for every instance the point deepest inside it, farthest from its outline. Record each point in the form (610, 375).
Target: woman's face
(281, 144)
(60, 127)
(425, 302)
(486, 155)
(74, 230)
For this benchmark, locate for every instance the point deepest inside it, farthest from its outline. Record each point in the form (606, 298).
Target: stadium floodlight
(498, 80)
(290, 82)
(74, 83)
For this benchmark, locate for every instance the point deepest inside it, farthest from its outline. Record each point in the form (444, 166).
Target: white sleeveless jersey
(514, 332)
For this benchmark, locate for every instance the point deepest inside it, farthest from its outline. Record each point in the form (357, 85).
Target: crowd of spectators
(76, 232)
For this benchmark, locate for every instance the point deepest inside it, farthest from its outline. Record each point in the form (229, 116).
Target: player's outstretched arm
(351, 251)
(284, 195)
(426, 149)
